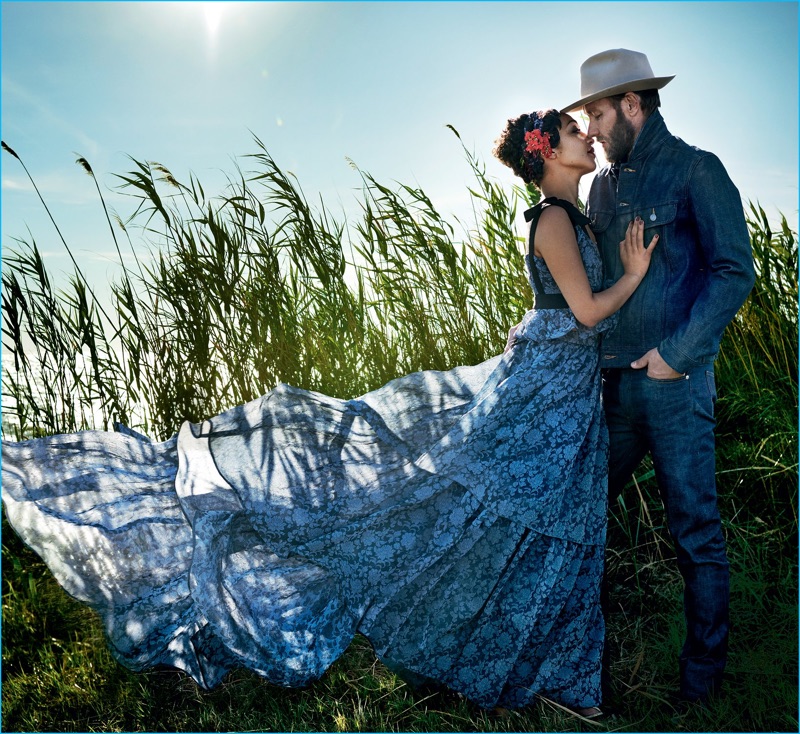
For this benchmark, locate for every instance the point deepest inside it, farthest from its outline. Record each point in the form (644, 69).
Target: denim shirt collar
(650, 137)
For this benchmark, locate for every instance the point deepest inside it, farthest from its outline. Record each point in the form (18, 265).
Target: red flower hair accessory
(537, 141)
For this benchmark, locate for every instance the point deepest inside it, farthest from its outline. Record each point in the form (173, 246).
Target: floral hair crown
(536, 140)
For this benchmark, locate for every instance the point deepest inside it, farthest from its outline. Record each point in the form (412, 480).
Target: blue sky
(185, 83)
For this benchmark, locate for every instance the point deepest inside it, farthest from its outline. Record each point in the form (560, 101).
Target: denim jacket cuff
(676, 359)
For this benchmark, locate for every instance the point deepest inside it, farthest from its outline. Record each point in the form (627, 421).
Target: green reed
(230, 294)
(256, 287)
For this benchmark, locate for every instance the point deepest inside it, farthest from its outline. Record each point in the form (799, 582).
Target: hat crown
(613, 68)
(616, 71)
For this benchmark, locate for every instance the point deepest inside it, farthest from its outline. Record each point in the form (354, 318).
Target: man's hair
(648, 100)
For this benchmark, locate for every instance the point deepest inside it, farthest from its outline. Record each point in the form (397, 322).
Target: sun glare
(213, 12)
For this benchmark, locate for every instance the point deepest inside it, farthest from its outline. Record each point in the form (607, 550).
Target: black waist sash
(540, 298)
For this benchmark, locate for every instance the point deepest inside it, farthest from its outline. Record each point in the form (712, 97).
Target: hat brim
(637, 85)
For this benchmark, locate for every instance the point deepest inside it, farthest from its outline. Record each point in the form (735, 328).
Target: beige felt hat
(616, 71)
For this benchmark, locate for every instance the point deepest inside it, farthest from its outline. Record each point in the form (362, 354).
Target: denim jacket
(702, 268)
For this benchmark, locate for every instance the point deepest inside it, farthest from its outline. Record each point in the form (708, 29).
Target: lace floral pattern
(561, 323)
(457, 519)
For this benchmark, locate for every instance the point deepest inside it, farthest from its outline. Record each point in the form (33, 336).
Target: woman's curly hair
(510, 147)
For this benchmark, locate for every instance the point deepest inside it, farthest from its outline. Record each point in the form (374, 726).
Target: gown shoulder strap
(578, 219)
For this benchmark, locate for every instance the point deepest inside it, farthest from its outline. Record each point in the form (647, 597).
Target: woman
(456, 519)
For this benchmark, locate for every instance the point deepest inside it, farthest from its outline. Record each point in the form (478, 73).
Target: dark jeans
(674, 421)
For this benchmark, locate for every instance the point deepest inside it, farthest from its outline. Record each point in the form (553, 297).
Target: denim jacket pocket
(657, 216)
(600, 221)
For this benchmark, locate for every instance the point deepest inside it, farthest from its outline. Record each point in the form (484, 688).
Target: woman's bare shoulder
(554, 226)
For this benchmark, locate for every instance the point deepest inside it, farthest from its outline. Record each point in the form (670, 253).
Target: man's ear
(631, 106)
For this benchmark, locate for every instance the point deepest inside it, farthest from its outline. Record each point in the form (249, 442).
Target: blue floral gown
(456, 519)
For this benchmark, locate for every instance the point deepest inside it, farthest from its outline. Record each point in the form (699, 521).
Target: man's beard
(620, 140)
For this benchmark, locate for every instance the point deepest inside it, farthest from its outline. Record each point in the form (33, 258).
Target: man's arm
(725, 242)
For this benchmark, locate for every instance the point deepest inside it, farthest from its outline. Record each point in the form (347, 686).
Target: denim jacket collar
(652, 134)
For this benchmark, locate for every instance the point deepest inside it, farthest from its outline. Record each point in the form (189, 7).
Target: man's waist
(628, 342)
(612, 358)
(620, 356)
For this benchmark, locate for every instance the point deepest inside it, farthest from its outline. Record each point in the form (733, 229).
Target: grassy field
(290, 294)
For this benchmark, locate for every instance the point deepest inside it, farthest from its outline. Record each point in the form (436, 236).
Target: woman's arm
(555, 241)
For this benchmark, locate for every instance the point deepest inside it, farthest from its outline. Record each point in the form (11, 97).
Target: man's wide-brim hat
(615, 72)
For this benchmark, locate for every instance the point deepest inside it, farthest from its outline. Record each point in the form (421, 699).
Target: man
(658, 363)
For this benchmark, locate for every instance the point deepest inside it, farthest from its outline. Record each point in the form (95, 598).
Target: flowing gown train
(456, 519)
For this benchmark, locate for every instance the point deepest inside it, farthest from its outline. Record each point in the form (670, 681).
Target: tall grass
(256, 286)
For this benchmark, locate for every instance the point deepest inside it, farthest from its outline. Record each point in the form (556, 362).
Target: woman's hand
(510, 341)
(635, 256)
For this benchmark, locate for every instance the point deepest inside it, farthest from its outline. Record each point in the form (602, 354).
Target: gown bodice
(554, 323)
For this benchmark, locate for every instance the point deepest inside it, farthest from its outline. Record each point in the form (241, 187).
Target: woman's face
(575, 148)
